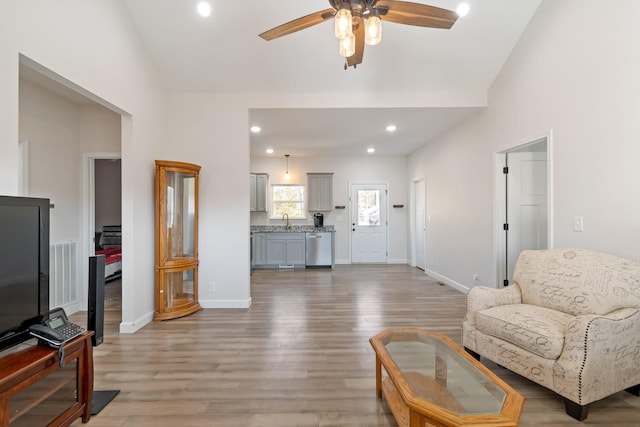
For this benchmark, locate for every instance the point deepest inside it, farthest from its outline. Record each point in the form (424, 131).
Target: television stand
(35, 390)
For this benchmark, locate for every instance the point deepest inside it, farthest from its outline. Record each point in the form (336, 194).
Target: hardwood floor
(299, 356)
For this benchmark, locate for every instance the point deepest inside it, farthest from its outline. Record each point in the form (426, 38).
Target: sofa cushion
(536, 329)
(578, 281)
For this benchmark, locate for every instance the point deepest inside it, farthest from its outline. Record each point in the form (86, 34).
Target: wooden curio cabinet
(176, 239)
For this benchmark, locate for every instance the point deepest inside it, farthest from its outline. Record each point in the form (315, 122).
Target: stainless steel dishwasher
(319, 249)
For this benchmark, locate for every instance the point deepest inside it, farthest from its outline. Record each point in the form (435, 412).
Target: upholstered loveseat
(570, 322)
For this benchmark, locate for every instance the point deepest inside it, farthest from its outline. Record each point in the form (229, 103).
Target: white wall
(576, 80)
(93, 46)
(50, 124)
(346, 170)
(213, 132)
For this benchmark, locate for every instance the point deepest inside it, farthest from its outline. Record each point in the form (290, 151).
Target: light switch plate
(578, 223)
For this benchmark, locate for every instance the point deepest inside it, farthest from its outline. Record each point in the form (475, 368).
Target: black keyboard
(70, 330)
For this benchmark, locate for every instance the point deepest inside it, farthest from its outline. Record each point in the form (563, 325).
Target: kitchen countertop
(293, 229)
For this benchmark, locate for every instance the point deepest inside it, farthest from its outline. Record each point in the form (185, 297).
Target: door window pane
(369, 208)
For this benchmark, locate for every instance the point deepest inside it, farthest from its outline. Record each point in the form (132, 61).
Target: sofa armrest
(601, 354)
(483, 297)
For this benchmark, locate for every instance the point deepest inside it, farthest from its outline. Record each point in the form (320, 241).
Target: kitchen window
(287, 199)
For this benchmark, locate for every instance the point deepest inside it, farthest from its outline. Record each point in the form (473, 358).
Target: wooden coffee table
(431, 381)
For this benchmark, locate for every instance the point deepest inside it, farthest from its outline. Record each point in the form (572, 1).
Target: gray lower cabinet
(259, 249)
(279, 250)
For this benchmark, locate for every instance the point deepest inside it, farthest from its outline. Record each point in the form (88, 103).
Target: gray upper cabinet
(258, 192)
(320, 187)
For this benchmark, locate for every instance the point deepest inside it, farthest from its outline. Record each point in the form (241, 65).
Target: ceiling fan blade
(298, 24)
(356, 58)
(421, 15)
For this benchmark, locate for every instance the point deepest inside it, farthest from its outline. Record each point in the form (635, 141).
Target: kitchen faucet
(287, 223)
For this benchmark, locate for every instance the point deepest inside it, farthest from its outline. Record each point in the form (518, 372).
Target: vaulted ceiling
(223, 53)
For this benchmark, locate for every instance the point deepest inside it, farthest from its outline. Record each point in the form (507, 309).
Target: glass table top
(437, 373)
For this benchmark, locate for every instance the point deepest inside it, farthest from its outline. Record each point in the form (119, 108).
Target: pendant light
(286, 175)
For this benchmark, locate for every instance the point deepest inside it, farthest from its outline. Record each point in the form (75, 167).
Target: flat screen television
(24, 266)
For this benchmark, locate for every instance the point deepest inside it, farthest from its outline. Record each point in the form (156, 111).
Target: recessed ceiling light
(269, 150)
(371, 150)
(391, 128)
(204, 9)
(463, 9)
(255, 129)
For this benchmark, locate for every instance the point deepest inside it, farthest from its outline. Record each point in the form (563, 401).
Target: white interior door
(526, 205)
(368, 223)
(420, 226)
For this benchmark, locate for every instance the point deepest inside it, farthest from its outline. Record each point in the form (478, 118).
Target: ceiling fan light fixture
(343, 21)
(373, 30)
(348, 46)
(362, 20)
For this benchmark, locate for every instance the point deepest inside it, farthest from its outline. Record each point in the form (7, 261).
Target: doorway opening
(523, 203)
(105, 222)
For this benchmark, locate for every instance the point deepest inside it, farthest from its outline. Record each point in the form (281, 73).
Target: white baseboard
(226, 303)
(132, 327)
(457, 286)
(391, 261)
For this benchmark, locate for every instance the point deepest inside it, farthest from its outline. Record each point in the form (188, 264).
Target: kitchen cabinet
(176, 239)
(285, 249)
(320, 189)
(259, 249)
(258, 192)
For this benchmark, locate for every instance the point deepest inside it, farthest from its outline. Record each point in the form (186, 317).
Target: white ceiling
(223, 53)
(331, 132)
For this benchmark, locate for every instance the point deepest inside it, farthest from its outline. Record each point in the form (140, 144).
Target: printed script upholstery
(570, 322)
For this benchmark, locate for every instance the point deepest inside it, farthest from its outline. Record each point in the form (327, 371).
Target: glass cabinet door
(176, 239)
(180, 215)
(179, 287)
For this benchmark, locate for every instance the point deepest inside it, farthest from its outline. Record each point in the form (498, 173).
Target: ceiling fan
(359, 21)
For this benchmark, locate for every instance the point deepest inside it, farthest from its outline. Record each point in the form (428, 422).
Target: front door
(368, 223)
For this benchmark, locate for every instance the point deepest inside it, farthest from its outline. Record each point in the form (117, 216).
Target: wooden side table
(35, 390)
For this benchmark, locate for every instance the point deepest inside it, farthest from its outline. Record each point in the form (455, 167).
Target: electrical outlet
(212, 286)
